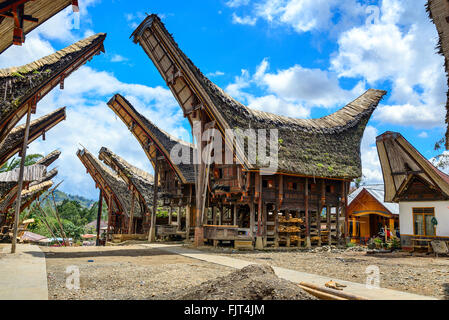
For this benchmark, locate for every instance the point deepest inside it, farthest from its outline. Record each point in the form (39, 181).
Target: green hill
(60, 196)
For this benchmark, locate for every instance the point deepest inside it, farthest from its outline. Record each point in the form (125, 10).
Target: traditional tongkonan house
(21, 88)
(34, 175)
(369, 215)
(118, 198)
(19, 17)
(316, 158)
(140, 183)
(175, 179)
(438, 11)
(421, 190)
(14, 140)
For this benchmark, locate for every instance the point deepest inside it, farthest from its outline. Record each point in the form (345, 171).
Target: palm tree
(15, 163)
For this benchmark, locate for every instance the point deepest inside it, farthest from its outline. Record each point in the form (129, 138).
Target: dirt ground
(124, 272)
(138, 272)
(421, 274)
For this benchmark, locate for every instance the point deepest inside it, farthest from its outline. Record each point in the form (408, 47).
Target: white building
(421, 190)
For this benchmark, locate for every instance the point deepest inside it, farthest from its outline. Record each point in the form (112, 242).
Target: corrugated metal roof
(378, 192)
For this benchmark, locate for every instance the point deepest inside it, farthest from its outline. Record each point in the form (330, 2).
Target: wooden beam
(179, 219)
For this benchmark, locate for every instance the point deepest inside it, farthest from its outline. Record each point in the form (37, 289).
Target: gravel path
(130, 272)
(423, 275)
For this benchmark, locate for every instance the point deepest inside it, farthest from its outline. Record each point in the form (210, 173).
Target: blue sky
(300, 58)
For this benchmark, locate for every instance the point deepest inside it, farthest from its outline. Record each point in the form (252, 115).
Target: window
(422, 221)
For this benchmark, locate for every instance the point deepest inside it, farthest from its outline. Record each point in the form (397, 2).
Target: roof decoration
(328, 147)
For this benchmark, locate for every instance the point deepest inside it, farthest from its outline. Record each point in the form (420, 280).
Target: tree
(442, 160)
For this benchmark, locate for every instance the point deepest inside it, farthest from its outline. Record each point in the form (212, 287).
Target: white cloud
(247, 20)
(215, 74)
(236, 3)
(423, 135)
(291, 92)
(372, 171)
(399, 49)
(118, 58)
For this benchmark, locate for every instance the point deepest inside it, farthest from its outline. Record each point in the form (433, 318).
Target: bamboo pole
(19, 190)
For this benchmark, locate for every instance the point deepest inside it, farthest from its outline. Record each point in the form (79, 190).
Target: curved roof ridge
(51, 58)
(135, 170)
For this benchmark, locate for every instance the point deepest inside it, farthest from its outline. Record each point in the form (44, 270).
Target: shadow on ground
(106, 253)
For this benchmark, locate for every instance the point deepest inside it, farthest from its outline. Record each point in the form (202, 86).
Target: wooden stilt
(100, 209)
(306, 206)
(131, 212)
(20, 185)
(152, 233)
(170, 215)
(178, 219)
(329, 225)
(234, 208)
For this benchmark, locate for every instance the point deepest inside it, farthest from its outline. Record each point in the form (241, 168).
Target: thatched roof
(328, 147)
(141, 181)
(30, 173)
(20, 85)
(8, 190)
(438, 11)
(49, 158)
(14, 141)
(40, 9)
(110, 182)
(152, 138)
(32, 193)
(401, 163)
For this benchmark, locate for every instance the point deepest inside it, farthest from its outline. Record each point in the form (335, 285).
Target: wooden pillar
(100, 209)
(252, 218)
(131, 213)
(152, 233)
(188, 213)
(306, 206)
(344, 209)
(354, 227)
(220, 217)
(259, 240)
(179, 219)
(320, 210)
(234, 209)
(109, 217)
(170, 215)
(214, 215)
(20, 185)
(329, 225)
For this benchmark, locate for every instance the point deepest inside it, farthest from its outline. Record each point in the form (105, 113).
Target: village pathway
(23, 275)
(352, 288)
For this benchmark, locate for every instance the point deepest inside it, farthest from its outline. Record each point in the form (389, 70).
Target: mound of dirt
(254, 282)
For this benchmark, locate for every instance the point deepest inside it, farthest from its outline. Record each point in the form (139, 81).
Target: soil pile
(254, 282)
